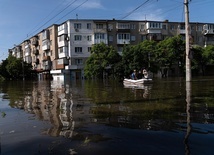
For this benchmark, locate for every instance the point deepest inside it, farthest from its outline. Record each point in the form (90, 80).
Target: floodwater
(168, 117)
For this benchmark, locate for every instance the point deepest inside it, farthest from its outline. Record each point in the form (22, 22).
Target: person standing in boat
(134, 75)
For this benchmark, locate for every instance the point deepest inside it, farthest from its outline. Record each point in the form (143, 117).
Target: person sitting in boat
(139, 75)
(134, 75)
(145, 73)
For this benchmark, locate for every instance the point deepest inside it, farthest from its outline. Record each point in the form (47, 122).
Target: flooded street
(90, 117)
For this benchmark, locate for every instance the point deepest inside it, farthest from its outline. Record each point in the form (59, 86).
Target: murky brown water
(104, 117)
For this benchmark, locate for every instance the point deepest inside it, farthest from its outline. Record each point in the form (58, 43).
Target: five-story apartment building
(60, 51)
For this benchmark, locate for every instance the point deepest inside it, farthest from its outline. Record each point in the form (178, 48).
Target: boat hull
(136, 82)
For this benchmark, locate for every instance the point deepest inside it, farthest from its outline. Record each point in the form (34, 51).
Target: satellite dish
(206, 32)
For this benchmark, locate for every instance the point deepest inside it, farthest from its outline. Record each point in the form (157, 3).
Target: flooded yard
(89, 117)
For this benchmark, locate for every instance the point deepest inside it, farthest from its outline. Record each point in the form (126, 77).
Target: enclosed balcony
(27, 51)
(123, 38)
(63, 29)
(45, 35)
(46, 45)
(36, 51)
(46, 58)
(208, 29)
(123, 27)
(36, 60)
(35, 41)
(46, 65)
(63, 52)
(60, 63)
(63, 40)
(153, 27)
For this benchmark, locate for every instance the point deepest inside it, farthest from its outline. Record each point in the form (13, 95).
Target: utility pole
(187, 30)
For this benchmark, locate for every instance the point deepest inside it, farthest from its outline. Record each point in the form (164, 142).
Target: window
(155, 25)
(199, 28)
(88, 25)
(61, 50)
(77, 37)
(123, 26)
(125, 36)
(164, 27)
(99, 36)
(61, 38)
(133, 26)
(78, 49)
(78, 61)
(143, 37)
(99, 26)
(89, 49)
(45, 34)
(89, 38)
(172, 27)
(62, 27)
(142, 26)
(77, 26)
(182, 27)
(133, 38)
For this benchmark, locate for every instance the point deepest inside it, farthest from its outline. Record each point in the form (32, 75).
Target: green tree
(208, 54)
(3, 71)
(170, 53)
(198, 62)
(138, 57)
(14, 68)
(103, 59)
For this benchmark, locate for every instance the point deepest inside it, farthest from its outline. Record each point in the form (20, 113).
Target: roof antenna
(76, 16)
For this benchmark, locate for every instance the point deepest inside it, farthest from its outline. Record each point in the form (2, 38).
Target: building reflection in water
(142, 90)
(51, 101)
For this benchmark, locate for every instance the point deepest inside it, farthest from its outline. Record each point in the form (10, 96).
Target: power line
(54, 16)
(72, 10)
(45, 17)
(136, 9)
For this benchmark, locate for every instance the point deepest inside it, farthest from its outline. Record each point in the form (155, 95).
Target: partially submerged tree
(170, 52)
(14, 68)
(103, 59)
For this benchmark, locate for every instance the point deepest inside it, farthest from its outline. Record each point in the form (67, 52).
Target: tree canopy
(14, 68)
(154, 56)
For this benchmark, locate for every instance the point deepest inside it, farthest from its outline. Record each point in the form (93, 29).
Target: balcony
(45, 35)
(35, 51)
(63, 31)
(123, 41)
(27, 52)
(46, 45)
(62, 43)
(46, 65)
(46, 58)
(34, 42)
(98, 41)
(153, 30)
(36, 61)
(60, 63)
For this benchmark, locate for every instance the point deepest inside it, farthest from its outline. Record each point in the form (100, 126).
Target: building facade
(60, 51)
